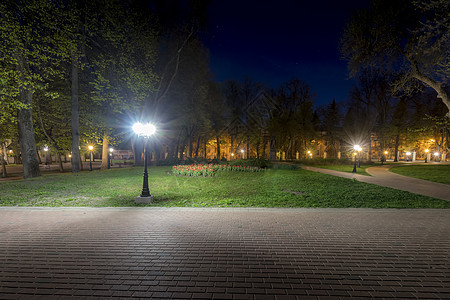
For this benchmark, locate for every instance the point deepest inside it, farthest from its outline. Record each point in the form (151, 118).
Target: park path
(381, 175)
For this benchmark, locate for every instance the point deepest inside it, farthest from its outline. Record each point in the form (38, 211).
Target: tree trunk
(257, 148)
(26, 129)
(105, 153)
(198, 146)
(397, 141)
(248, 148)
(61, 168)
(39, 157)
(3, 166)
(16, 150)
(232, 143)
(190, 144)
(218, 148)
(75, 118)
(81, 162)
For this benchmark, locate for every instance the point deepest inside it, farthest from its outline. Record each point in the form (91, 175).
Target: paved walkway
(183, 253)
(382, 176)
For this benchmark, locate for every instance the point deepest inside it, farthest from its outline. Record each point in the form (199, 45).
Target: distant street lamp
(384, 157)
(110, 157)
(146, 131)
(358, 149)
(436, 156)
(47, 160)
(426, 155)
(91, 148)
(242, 151)
(407, 155)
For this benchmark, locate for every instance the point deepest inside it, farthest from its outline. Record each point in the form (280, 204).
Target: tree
(410, 38)
(27, 46)
(331, 125)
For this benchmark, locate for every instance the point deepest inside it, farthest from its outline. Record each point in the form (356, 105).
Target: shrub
(210, 169)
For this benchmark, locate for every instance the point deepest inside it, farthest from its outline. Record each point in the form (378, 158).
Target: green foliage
(325, 161)
(435, 173)
(206, 170)
(259, 163)
(273, 188)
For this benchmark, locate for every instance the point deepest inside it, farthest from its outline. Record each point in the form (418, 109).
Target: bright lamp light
(145, 130)
(357, 147)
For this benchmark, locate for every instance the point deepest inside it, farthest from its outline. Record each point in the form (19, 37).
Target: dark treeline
(75, 73)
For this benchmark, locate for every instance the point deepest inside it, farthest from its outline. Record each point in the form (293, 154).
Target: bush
(285, 166)
(206, 170)
(259, 163)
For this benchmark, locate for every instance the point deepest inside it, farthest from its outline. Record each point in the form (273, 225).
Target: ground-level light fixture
(145, 130)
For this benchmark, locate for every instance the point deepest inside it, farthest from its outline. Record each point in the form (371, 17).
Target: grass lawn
(436, 173)
(346, 168)
(273, 188)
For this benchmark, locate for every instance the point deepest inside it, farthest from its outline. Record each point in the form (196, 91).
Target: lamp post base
(144, 200)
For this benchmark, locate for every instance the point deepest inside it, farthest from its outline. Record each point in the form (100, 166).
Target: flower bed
(210, 169)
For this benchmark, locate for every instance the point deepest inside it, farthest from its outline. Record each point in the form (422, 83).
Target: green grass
(436, 173)
(274, 188)
(346, 168)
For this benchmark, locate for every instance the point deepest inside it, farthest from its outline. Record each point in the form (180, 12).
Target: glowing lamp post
(436, 156)
(358, 149)
(426, 155)
(110, 157)
(91, 148)
(242, 151)
(146, 131)
(384, 157)
(407, 155)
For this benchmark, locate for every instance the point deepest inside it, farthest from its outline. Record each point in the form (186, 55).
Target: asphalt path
(381, 175)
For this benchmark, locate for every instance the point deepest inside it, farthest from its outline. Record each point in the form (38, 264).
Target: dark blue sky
(274, 41)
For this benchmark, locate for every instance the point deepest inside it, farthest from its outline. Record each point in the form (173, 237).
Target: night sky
(274, 41)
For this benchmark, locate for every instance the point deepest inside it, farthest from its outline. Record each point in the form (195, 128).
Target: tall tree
(411, 38)
(28, 50)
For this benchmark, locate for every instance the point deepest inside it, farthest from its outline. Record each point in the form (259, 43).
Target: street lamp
(90, 147)
(426, 155)
(407, 155)
(358, 149)
(110, 157)
(242, 151)
(384, 157)
(144, 130)
(436, 156)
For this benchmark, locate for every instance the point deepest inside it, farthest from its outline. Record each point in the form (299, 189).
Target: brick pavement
(184, 253)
